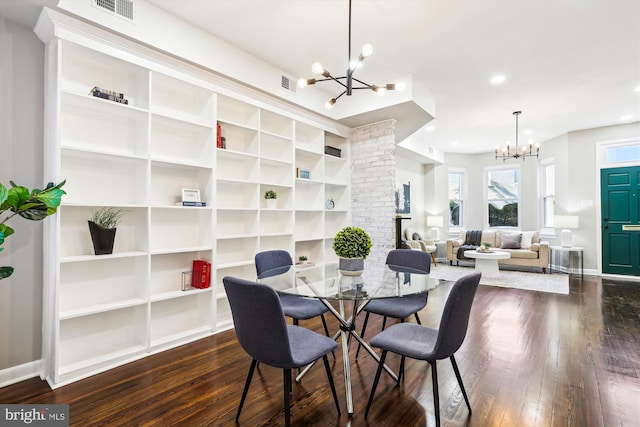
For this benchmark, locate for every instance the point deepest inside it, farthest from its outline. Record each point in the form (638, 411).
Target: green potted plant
(33, 205)
(485, 247)
(270, 197)
(352, 245)
(102, 226)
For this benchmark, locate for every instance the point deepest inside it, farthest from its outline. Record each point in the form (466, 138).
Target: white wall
(21, 160)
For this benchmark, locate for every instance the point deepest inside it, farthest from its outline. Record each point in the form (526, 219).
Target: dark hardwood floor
(530, 359)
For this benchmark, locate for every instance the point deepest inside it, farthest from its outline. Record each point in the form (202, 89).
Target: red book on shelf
(207, 277)
(199, 273)
(219, 135)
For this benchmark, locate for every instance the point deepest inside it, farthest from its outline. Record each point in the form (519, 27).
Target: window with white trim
(503, 196)
(457, 184)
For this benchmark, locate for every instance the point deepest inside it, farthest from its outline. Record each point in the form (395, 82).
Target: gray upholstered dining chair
(274, 262)
(400, 308)
(423, 343)
(263, 333)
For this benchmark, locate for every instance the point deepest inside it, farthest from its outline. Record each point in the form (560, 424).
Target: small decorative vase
(351, 266)
(271, 203)
(102, 238)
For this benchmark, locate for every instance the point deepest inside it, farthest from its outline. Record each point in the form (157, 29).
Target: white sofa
(531, 253)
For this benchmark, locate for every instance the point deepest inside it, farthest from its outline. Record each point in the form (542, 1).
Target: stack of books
(201, 274)
(109, 95)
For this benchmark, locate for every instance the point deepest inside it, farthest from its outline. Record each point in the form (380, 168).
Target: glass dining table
(352, 294)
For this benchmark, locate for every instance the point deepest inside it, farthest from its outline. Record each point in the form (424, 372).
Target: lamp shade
(435, 221)
(566, 221)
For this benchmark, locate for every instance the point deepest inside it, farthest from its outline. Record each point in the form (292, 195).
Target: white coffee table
(487, 262)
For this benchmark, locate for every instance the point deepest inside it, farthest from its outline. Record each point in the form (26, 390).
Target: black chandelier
(347, 82)
(526, 151)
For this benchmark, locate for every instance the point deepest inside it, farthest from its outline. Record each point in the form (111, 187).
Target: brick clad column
(373, 189)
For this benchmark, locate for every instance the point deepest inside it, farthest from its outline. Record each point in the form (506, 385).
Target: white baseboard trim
(620, 277)
(15, 374)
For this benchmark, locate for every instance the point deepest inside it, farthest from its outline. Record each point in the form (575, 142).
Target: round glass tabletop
(395, 282)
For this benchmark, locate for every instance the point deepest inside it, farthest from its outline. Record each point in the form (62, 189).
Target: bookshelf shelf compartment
(102, 284)
(171, 319)
(180, 229)
(237, 112)
(176, 98)
(166, 271)
(99, 335)
(121, 180)
(83, 68)
(181, 142)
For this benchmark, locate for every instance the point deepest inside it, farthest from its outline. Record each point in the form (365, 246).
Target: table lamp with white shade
(565, 222)
(435, 222)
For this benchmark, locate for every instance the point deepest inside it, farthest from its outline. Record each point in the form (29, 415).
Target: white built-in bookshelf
(106, 310)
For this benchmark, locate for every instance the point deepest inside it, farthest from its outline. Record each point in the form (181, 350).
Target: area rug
(554, 283)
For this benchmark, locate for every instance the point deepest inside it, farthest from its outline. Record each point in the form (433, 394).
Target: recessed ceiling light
(429, 128)
(528, 132)
(496, 80)
(454, 142)
(637, 89)
(626, 117)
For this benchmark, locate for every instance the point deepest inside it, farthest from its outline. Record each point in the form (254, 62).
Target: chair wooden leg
(287, 396)
(375, 381)
(331, 383)
(457, 372)
(433, 257)
(436, 401)
(364, 328)
(252, 368)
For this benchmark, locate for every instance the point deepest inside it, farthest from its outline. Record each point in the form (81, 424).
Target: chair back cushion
(455, 316)
(272, 263)
(416, 261)
(259, 321)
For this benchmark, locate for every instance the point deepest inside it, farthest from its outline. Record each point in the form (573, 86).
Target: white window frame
(544, 164)
(463, 198)
(485, 208)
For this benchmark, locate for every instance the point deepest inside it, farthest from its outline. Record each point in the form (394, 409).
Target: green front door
(620, 192)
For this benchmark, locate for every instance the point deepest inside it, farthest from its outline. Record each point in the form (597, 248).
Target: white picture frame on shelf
(190, 195)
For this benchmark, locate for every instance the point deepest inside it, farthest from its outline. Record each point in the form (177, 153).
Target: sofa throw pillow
(511, 241)
(417, 236)
(526, 240)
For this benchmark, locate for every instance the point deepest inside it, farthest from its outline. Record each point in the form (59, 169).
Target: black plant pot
(102, 238)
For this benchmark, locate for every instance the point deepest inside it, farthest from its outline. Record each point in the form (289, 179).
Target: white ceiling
(569, 64)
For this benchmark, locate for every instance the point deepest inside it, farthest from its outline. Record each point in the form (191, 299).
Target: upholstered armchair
(415, 240)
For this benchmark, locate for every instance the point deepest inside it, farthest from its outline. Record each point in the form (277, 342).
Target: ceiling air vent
(288, 84)
(122, 8)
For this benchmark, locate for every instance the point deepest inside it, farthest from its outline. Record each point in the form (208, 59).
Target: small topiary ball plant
(352, 242)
